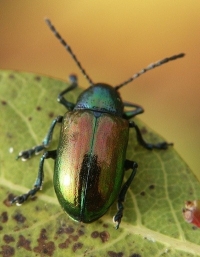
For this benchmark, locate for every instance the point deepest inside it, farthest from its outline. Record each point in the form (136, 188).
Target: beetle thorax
(101, 97)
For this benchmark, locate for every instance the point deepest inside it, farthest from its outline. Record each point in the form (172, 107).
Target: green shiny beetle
(91, 156)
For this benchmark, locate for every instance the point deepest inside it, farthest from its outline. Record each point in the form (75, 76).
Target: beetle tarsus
(117, 218)
(141, 141)
(27, 154)
(22, 198)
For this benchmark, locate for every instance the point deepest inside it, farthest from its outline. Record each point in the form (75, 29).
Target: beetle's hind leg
(26, 154)
(39, 180)
(118, 216)
(149, 146)
(61, 99)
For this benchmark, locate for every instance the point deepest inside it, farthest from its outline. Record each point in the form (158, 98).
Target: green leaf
(152, 224)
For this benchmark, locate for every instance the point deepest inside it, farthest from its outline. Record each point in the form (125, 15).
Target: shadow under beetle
(91, 156)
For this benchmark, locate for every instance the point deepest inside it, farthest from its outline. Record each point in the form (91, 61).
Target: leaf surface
(152, 224)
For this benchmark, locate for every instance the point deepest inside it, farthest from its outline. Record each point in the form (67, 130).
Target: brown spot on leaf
(151, 187)
(9, 135)
(77, 246)
(8, 200)
(66, 230)
(23, 242)
(80, 232)
(19, 218)
(104, 236)
(65, 244)
(135, 255)
(8, 239)
(7, 251)
(95, 234)
(3, 102)
(44, 247)
(68, 241)
(114, 254)
(1, 228)
(37, 78)
(38, 108)
(4, 217)
(30, 118)
(143, 130)
(142, 193)
(51, 115)
(11, 76)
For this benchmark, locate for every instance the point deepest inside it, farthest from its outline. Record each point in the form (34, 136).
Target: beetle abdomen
(89, 165)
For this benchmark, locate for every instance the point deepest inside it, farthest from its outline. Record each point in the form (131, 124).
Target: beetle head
(101, 97)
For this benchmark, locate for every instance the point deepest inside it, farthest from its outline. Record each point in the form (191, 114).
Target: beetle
(90, 160)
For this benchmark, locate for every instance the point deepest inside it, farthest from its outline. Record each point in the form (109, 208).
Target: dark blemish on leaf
(23, 242)
(105, 225)
(30, 118)
(80, 232)
(1, 228)
(95, 234)
(142, 193)
(74, 238)
(135, 255)
(43, 235)
(9, 135)
(65, 244)
(77, 246)
(114, 254)
(37, 78)
(68, 241)
(44, 247)
(8, 200)
(151, 187)
(51, 115)
(19, 218)
(4, 217)
(104, 236)
(8, 239)
(194, 228)
(7, 251)
(38, 108)
(66, 230)
(11, 76)
(3, 102)
(143, 130)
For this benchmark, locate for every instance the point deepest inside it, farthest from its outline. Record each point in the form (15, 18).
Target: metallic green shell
(89, 167)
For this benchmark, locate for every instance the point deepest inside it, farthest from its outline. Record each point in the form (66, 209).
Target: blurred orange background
(113, 40)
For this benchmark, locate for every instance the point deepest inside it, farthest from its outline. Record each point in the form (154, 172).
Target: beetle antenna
(68, 48)
(150, 67)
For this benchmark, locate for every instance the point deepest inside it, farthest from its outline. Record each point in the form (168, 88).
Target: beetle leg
(118, 216)
(149, 146)
(24, 155)
(130, 114)
(39, 180)
(61, 99)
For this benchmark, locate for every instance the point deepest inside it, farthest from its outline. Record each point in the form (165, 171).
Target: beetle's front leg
(61, 99)
(39, 180)
(149, 146)
(24, 155)
(118, 216)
